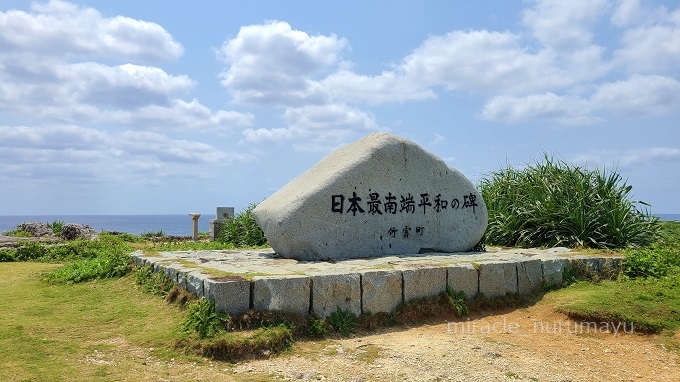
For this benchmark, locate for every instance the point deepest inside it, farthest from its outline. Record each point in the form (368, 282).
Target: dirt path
(502, 347)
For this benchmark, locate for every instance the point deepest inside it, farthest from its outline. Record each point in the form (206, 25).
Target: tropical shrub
(242, 230)
(553, 203)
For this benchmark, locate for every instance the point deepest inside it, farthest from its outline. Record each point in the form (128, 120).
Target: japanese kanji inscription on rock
(381, 195)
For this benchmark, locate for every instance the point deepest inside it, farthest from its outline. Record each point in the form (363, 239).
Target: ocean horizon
(175, 225)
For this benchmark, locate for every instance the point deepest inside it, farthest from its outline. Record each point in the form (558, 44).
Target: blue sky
(165, 107)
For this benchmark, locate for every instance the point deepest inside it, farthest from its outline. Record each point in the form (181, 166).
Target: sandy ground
(531, 344)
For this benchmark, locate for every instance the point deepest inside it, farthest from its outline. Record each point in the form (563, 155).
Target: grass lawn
(652, 305)
(62, 332)
(647, 293)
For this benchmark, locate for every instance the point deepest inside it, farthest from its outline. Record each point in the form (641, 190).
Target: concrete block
(529, 276)
(332, 291)
(423, 282)
(380, 291)
(553, 271)
(194, 283)
(231, 294)
(463, 278)
(497, 278)
(287, 294)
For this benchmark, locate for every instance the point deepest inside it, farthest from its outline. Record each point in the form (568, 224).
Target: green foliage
(343, 321)
(151, 234)
(30, 250)
(457, 300)
(647, 294)
(86, 249)
(107, 265)
(7, 255)
(556, 204)
(128, 237)
(17, 233)
(56, 226)
(157, 283)
(203, 320)
(661, 259)
(243, 231)
(105, 257)
(192, 245)
(317, 327)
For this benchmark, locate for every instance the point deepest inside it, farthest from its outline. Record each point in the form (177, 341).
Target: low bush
(105, 257)
(343, 321)
(150, 234)
(17, 232)
(109, 265)
(242, 230)
(660, 259)
(203, 320)
(30, 250)
(457, 301)
(554, 203)
(7, 255)
(56, 226)
(157, 283)
(317, 327)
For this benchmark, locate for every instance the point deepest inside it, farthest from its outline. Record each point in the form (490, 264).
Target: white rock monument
(381, 195)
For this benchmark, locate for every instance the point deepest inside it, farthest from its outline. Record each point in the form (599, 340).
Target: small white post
(194, 218)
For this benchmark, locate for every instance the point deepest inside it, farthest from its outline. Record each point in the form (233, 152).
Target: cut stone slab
(423, 282)
(138, 258)
(553, 271)
(496, 278)
(529, 276)
(194, 283)
(287, 294)
(610, 268)
(382, 195)
(584, 266)
(332, 291)
(463, 278)
(381, 291)
(230, 294)
(171, 271)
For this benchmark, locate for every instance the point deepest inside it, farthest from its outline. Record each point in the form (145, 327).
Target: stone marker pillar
(223, 214)
(194, 218)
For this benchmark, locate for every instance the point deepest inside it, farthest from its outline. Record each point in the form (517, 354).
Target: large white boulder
(381, 195)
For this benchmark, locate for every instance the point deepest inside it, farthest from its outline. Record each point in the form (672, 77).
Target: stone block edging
(375, 290)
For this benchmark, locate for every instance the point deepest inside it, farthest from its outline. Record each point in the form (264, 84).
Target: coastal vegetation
(90, 286)
(553, 203)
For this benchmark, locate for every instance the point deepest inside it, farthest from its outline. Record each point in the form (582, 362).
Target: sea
(175, 225)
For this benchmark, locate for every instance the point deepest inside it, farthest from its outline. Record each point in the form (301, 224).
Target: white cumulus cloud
(318, 128)
(274, 64)
(59, 28)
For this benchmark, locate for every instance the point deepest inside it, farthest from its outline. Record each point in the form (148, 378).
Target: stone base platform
(257, 279)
